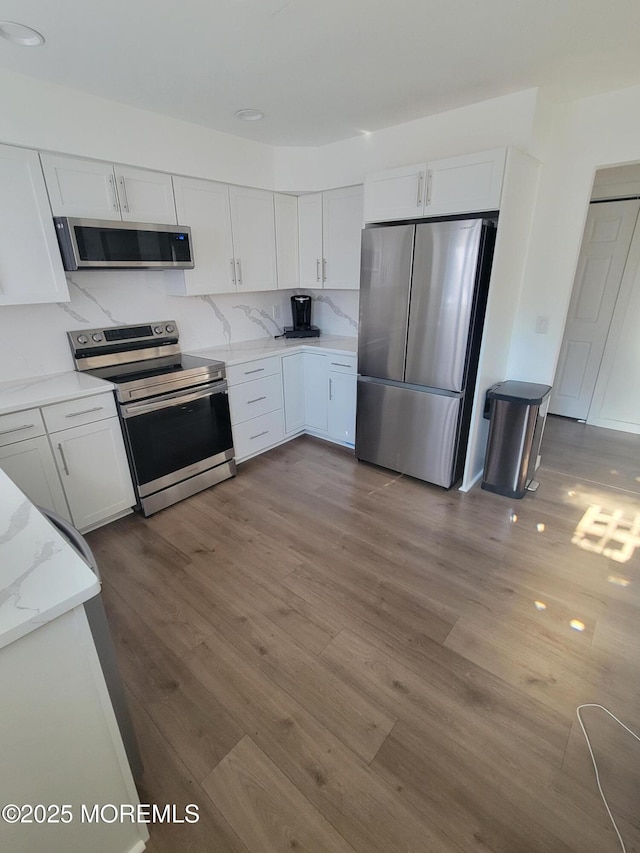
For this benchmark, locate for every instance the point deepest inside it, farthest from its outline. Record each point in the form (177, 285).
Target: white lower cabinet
(30, 465)
(255, 403)
(341, 422)
(258, 434)
(316, 391)
(93, 467)
(81, 471)
(330, 396)
(293, 390)
(274, 399)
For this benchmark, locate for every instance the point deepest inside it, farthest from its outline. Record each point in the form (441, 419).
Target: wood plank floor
(327, 656)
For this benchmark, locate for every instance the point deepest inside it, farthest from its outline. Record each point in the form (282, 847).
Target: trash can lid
(523, 392)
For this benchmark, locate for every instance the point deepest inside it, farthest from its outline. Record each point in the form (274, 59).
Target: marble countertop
(19, 394)
(41, 575)
(262, 347)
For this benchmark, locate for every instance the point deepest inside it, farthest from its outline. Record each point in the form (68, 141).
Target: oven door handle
(178, 398)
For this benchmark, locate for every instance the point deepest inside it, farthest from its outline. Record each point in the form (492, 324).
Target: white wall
(499, 122)
(43, 115)
(589, 134)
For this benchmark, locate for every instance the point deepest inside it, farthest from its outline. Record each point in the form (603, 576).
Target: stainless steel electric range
(173, 408)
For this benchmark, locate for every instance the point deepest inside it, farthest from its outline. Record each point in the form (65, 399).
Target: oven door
(176, 436)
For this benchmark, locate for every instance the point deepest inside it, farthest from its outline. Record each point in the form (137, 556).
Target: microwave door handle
(132, 410)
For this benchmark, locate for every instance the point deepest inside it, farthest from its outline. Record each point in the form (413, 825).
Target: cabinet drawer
(342, 363)
(253, 370)
(251, 399)
(255, 435)
(77, 412)
(18, 426)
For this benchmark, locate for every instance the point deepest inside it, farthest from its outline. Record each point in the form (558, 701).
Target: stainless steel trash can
(517, 412)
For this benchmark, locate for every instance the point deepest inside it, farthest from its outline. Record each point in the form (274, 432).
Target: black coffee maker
(301, 313)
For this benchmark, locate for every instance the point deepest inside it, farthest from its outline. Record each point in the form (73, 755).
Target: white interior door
(616, 399)
(605, 247)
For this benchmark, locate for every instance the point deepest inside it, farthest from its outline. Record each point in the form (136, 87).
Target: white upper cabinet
(145, 196)
(253, 226)
(286, 214)
(310, 236)
(30, 264)
(466, 184)
(204, 207)
(233, 233)
(395, 193)
(329, 225)
(95, 190)
(341, 236)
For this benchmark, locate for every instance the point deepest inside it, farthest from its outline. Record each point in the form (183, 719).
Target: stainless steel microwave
(99, 244)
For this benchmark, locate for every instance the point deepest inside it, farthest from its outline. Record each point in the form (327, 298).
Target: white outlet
(275, 312)
(542, 325)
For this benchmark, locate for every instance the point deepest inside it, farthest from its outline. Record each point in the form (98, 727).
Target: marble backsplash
(33, 339)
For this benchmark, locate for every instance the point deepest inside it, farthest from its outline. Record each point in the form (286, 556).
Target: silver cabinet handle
(233, 270)
(64, 461)
(16, 429)
(340, 364)
(259, 435)
(112, 181)
(125, 200)
(317, 269)
(257, 400)
(257, 370)
(324, 269)
(429, 177)
(84, 412)
(239, 270)
(419, 198)
(330, 389)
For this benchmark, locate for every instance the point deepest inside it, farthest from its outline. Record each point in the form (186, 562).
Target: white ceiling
(324, 70)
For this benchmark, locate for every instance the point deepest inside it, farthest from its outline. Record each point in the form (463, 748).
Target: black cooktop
(164, 366)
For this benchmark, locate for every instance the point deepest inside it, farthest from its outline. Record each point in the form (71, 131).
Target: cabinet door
(30, 264)
(293, 386)
(31, 467)
(465, 184)
(204, 207)
(310, 237)
(78, 187)
(286, 213)
(342, 407)
(254, 238)
(93, 467)
(316, 391)
(145, 196)
(341, 229)
(395, 193)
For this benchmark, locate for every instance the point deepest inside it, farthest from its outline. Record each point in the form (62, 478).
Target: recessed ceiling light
(20, 34)
(249, 115)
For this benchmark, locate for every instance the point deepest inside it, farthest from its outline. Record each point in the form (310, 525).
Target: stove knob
(97, 337)
(82, 339)
(169, 328)
(157, 330)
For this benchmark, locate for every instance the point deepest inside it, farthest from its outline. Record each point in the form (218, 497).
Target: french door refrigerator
(423, 295)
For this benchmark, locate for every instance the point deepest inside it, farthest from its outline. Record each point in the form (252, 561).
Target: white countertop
(261, 347)
(41, 575)
(20, 394)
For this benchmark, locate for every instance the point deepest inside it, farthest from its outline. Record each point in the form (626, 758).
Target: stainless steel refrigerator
(423, 294)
